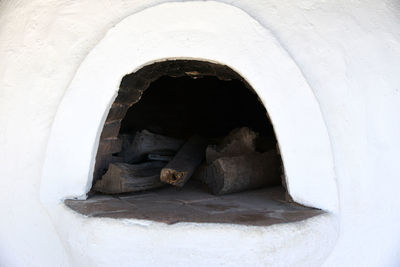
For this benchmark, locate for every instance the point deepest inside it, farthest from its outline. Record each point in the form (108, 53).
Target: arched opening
(231, 173)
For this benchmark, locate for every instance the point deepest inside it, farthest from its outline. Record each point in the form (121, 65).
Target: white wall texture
(349, 53)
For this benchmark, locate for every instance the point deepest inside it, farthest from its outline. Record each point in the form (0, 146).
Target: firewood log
(146, 142)
(161, 155)
(238, 173)
(239, 141)
(185, 162)
(124, 178)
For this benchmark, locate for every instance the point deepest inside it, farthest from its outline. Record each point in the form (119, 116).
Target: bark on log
(102, 163)
(124, 178)
(185, 162)
(166, 156)
(126, 141)
(234, 174)
(239, 141)
(146, 142)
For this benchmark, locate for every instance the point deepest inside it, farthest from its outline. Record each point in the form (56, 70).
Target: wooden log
(146, 142)
(239, 141)
(234, 174)
(166, 156)
(199, 174)
(185, 162)
(126, 141)
(125, 178)
(102, 162)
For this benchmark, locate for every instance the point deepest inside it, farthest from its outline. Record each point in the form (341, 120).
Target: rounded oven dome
(262, 66)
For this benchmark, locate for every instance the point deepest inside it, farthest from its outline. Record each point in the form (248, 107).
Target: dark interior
(183, 106)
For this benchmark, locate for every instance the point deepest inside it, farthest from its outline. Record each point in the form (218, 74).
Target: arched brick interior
(131, 90)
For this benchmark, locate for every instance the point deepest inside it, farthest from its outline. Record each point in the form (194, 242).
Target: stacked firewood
(150, 161)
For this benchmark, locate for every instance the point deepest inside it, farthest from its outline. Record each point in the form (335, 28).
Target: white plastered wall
(346, 52)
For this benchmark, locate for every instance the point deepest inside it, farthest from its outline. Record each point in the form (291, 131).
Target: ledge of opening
(226, 35)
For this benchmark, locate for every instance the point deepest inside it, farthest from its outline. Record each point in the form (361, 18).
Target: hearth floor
(193, 203)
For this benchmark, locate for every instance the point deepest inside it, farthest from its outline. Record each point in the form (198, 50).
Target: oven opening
(189, 141)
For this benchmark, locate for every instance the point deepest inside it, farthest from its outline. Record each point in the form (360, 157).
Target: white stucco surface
(347, 53)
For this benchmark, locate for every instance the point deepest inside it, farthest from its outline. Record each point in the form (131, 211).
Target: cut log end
(173, 177)
(234, 174)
